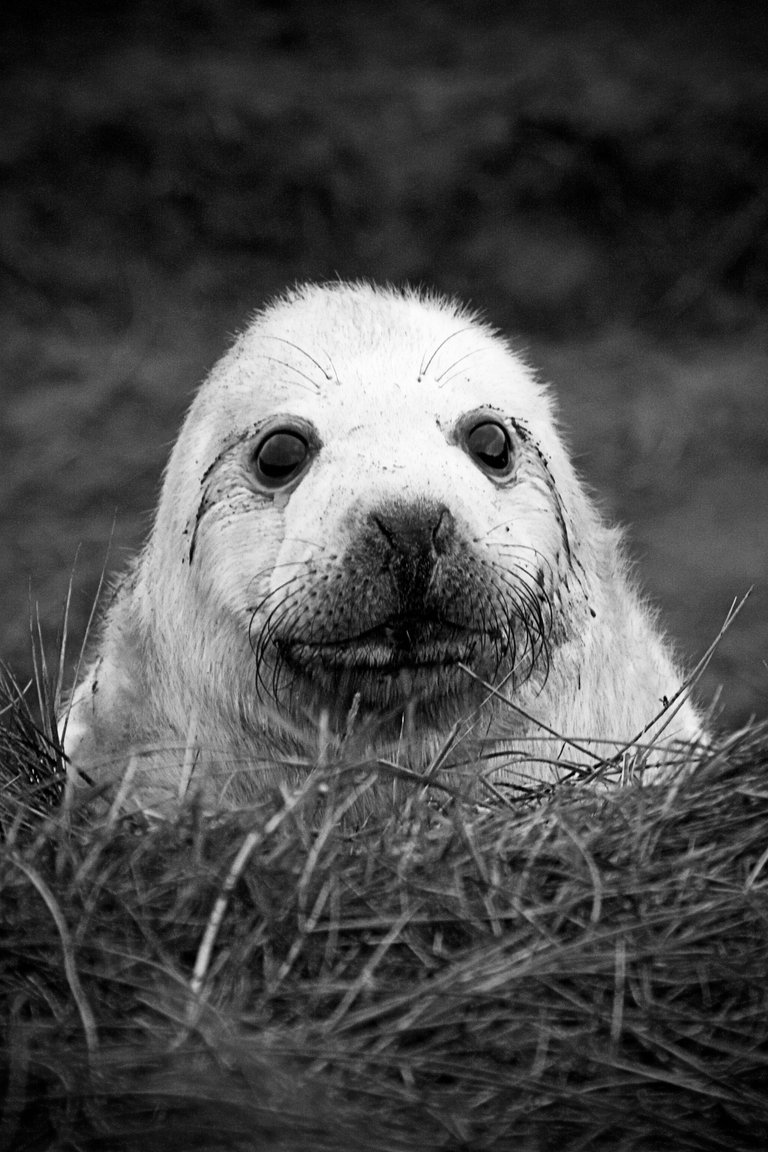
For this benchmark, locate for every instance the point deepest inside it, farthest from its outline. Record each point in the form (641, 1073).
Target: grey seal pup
(371, 537)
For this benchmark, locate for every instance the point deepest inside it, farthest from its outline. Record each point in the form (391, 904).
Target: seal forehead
(348, 354)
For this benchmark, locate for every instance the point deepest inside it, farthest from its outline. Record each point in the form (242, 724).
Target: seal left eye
(488, 443)
(279, 458)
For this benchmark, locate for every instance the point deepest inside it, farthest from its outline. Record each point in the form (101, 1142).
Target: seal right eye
(279, 458)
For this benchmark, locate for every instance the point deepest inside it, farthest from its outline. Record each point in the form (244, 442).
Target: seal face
(369, 510)
(411, 601)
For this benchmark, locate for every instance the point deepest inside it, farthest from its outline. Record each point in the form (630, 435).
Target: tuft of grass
(587, 970)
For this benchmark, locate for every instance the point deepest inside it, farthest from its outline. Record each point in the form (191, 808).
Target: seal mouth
(399, 643)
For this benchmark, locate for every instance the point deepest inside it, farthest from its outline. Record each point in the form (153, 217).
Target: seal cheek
(236, 554)
(280, 501)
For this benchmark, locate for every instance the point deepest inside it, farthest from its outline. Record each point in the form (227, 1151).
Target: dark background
(594, 175)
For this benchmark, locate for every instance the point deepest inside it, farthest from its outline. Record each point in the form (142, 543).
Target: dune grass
(582, 970)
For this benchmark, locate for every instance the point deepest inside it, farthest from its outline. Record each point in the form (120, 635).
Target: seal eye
(279, 458)
(488, 444)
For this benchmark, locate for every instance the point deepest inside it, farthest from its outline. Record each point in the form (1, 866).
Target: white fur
(394, 374)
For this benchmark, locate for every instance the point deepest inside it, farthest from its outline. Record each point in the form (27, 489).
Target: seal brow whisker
(291, 368)
(425, 365)
(333, 367)
(441, 379)
(304, 352)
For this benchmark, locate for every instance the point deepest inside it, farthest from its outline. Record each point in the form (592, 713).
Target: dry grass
(586, 970)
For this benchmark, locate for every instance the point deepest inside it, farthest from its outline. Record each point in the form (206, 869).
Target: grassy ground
(593, 175)
(583, 972)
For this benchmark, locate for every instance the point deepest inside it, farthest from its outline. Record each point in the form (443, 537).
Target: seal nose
(411, 539)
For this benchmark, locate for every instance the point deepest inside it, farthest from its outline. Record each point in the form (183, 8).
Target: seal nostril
(444, 531)
(386, 531)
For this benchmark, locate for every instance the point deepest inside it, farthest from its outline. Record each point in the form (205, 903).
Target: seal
(370, 534)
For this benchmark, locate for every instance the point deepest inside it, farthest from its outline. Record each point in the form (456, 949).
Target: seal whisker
(315, 387)
(441, 379)
(527, 614)
(504, 637)
(260, 640)
(274, 568)
(280, 588)
(333, 368)
(308, 355)
(545, 564)
(424, 368)
(322, 548)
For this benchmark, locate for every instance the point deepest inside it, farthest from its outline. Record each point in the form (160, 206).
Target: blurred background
(593, 175)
